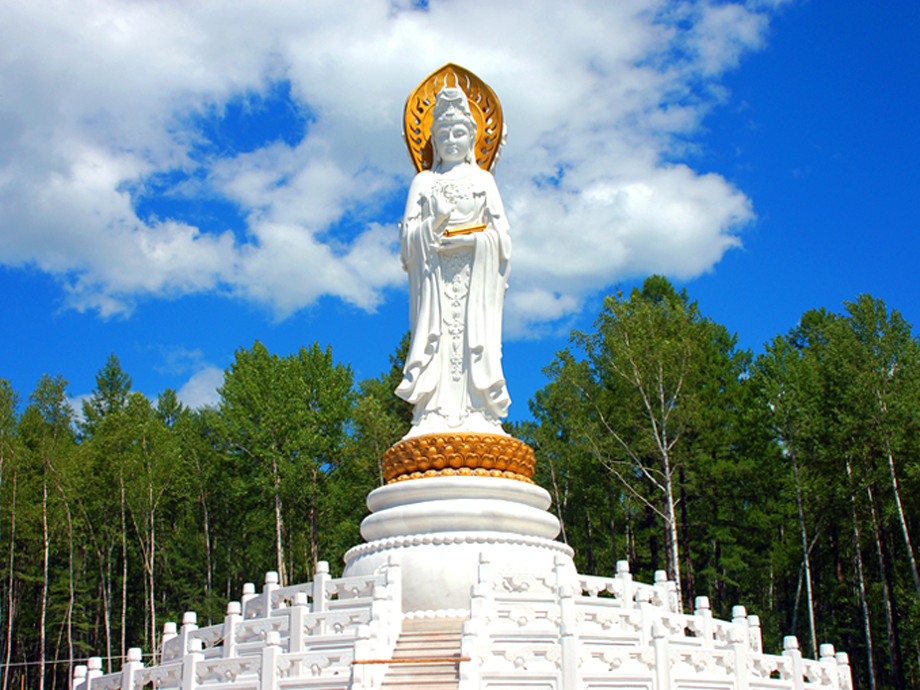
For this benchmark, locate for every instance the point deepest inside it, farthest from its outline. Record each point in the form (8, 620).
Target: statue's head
(451, 109)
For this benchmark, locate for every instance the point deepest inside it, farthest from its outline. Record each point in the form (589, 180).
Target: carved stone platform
(525, 630)
(439, 528)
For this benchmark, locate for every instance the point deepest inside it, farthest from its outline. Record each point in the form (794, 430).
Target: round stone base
(439, 528)
(439, 569)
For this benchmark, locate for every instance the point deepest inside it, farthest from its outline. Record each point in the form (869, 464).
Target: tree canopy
(787, 482)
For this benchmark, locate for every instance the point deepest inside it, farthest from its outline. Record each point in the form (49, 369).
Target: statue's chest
(467, 200)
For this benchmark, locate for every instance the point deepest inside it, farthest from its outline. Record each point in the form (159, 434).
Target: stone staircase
(431, 661)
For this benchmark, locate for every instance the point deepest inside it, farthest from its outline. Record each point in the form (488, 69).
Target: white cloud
(201, 389)
(97, 97)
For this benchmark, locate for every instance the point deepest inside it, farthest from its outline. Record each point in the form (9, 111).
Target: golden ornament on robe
(484, 104)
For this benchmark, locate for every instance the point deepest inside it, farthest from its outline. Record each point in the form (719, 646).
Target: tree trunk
(902, 520)
(720, 577)
(105, 580)
(590, 562)
(2, 464)
(71, 594)
(46, 555)
(314, 520)
(893, 656)
(861, 580)
(558, 501)
(806, 560)
(630, 533)
(279, 523)
(685, 535)
(613, 524)
(206, 517)
(671, 543)
(151, 565)
(124, 563)
(10, 609)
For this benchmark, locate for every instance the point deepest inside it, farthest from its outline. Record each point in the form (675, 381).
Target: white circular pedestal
(438, 528)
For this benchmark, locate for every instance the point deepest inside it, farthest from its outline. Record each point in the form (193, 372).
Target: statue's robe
(482, 393)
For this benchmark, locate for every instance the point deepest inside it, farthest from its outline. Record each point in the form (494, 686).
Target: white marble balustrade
(304, 636)
(551, 632)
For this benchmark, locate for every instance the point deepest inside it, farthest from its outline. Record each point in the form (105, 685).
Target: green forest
(788, 482)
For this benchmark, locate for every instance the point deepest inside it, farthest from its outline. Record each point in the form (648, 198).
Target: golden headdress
(484, 107)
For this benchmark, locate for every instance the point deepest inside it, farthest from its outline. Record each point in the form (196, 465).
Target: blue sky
(178, 180)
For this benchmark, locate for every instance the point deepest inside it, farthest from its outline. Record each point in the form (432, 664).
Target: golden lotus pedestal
(461, 454)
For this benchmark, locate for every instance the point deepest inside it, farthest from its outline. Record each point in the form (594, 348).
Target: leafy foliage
(786, 482)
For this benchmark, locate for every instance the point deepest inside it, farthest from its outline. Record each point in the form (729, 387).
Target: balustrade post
(363, 675)
(131, 667)
(567, 626)
(79, 677)
(299, 610)
(791, 651)
(232, 620)
(756, 634)
(666, 591)
(704, 614)
(249, 593)
(740, 621)
(474, 630)
(270, 654)
(320, 590)
(169, 633)
(662, 656)
(671, 587)
(626, 578)
(469, 670)
(321, 595)
(393, 579)
(826, 657)
(190, 663)
(649, 617)
(94, 670)
(843, 671)
(481, 597)
(379, 612)
(739, 643)
(270, 587)
(189, 625)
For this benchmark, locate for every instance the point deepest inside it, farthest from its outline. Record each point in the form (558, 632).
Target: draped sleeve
(420, 260)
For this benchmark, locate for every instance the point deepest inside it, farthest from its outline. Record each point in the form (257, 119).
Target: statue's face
(454, 142)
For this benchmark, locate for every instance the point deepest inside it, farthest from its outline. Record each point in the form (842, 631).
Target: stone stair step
(427, 645)
(427, 652)
(401, 681)
(431, 677)
(431, 656)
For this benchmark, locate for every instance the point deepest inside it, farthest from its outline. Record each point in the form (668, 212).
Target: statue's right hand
(441, 209)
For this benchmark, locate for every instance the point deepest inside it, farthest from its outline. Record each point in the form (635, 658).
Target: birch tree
(655, 364)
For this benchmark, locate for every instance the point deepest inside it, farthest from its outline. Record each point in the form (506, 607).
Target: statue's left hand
(457, 241)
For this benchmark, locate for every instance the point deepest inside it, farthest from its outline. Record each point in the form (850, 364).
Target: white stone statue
(456, 249)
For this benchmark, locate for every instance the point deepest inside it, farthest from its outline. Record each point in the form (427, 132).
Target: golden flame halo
(484, 104)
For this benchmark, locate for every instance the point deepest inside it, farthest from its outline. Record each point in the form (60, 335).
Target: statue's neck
(454, 170)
